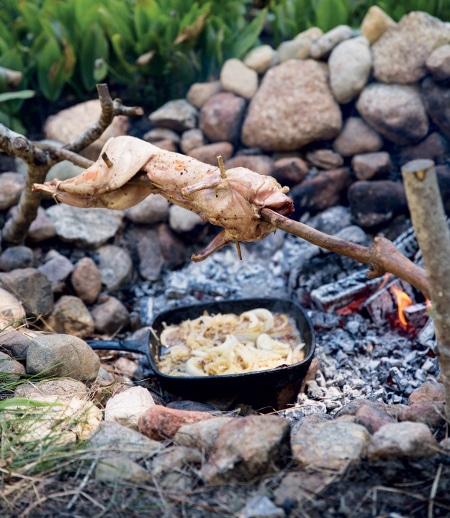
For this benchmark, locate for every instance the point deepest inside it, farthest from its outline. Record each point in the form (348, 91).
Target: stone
(183, 220)
(372, 166)
(209, 153)
(377, 202)
(199, 93)
(160, 423)
(260, 58)
(158, 134)
(296, 95)
(357, 137)
(65, 169)
(41, 228)
(290, 170)
(57, 270)
(173, 248)
(16, 257)
(126, 407)
(294, 49)
(405, 440)
(116, 267)
(202, 435)
(429, 391)
(372, 417)
(375, 23)
(16, 341)
(110, 316)
(177, 115)
(70, 316)
(248, 448)
(434, 147)
(153, 209)
(437, 101)
(262, 507)
(400, 54)
(296, 488)
(31, 288)
(11, 187)
(320, 192)
(86, 280)
(151, 259)
(86, 228)
(64, 388)
(173, 468)
(438, 63)
(113, 439)
(10, 369)
(323, 46)
(167, 145)
(62, 355)
(397, 112)
(191, 139)
(221, 117)
(329, 445)
(350, 64)
(238, 78)
(118, 469)
(261, 164)
(430, 413)
(69, 124)
(325, 159)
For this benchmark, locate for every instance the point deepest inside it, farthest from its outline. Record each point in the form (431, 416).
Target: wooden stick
(428, 219)
(381, 257)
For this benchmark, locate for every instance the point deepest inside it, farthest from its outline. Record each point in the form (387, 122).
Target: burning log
(433, 236)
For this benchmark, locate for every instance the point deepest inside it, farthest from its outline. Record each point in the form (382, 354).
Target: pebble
(261, 507)
(323, 46)
(248, 448)
(438, 63)
(375, 23)
(12, 312)
(10, 369)
(357, 137)
(325, 159)
(16, 257)
(116, 267)
(86, 280)
(32, 289)
(238, 78)
(62, 355)
(191, 139)
(294, 49)
(221, 117)
(173, 468)
(429, 391)
(262, 164)
(16, 341)
(209, 153)
(42, 227)
(260, 58)
(85, 228)
(158, 134)
(110, 316)
(11, 186)
(372, 166)
(126, 407)
(329, 445)
(405, 440)
(151, 259)
(199, 93)
(120, 469)
(290, 170)
(70, 316)
(160, 423)
(183, 220)
(350, 64)
(202, 435)
(57, 269)
(177, 115)
(64, 388)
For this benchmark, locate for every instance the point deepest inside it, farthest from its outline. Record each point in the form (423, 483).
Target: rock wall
(334, 115)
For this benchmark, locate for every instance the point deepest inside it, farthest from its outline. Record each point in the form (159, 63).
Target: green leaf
(94, 47)
(330, 13)
(24, 402)
(248, 37)
(21, 94)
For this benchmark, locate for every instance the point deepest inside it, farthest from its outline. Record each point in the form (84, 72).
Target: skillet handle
(141, 345)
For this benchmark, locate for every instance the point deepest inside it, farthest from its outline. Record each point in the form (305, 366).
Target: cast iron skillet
(275, 388)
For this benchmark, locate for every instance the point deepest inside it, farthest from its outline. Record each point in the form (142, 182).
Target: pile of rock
(331, 115)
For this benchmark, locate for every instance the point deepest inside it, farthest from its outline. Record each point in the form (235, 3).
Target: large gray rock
(62, 355)
(293, 107)
(85, 227)
(395, 111)
(400, 54)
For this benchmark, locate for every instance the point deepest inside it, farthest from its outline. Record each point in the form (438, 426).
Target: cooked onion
(230, 344)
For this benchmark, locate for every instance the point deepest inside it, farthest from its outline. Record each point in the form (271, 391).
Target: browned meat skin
(130, 169)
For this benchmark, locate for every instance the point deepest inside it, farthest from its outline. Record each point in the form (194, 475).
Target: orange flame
(403, 301)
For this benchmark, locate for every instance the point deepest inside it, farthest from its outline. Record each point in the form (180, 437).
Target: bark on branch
(40, 159)
(433, 236)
